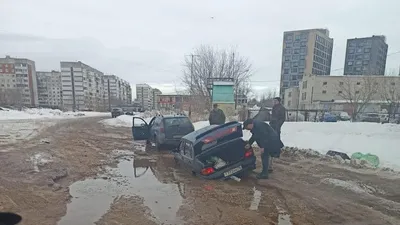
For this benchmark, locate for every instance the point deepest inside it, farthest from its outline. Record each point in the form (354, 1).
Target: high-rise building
(144, 94)
(304, 52)
(82, 87)
(18, 82)
(118, 89)
(49, 89)
(156, 93)
(366, 56)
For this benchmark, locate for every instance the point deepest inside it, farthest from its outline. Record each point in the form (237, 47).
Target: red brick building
(173, 101)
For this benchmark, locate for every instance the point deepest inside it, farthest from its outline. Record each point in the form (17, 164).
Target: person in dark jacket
(217, 116)
(268, 141)
(278, 116)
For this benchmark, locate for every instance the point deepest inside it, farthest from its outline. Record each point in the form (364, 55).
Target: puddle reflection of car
(162, 130)
(216, 152)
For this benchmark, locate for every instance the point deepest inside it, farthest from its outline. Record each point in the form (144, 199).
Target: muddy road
(81, 172)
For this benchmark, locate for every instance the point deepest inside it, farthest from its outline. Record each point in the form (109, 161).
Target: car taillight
(162, 129)
(248, 153)
(207, 171)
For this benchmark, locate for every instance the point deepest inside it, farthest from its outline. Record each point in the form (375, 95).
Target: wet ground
(81, 172)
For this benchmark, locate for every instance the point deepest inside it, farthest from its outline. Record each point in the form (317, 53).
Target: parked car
(370, 117)
(115, 112)
(344, 116)
(329, 118)
(162, 130)
(216, 152)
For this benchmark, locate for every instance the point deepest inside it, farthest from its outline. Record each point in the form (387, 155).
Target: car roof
(173, 116)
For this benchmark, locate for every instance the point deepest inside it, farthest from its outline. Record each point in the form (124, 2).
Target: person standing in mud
(217, 116)
(268, 141)
(278, 116)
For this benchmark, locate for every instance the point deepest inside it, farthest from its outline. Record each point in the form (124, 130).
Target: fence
(296, 115)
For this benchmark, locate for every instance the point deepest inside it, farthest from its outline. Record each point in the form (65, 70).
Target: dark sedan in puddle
(216, 152)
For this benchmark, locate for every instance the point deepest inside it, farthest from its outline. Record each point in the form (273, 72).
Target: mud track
(35, 176)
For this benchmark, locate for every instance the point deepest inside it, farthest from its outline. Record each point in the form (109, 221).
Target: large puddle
(92, 198)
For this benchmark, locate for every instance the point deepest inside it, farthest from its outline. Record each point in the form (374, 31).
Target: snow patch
(40, 159)
(42, 113)
(123, 121)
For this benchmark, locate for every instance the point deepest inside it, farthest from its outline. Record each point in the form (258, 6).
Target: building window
(304, 96)
(295, 57)
(304, 84)
(287, 58)
(290, 94)
(358, 62)
(358, 83)
(285, 71)
(323, 92)
(296, 51)
(365, 62)
(351, 51)
(359, 50)
(286, 64)
(393, 83)
(294, 70)
(367, 50)
(289, 103)
(357, 92)
(340, 92)
(325, 83)
(350, 63)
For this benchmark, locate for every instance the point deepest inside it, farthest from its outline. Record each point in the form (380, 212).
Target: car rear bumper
(247, 164)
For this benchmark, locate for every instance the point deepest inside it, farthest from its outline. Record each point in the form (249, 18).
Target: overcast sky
(146, 41)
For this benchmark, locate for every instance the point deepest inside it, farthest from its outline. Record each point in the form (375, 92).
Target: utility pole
(109, 94)
(236, 84)
(191, 84)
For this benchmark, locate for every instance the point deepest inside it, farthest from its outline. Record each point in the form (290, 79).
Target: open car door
(140, 129)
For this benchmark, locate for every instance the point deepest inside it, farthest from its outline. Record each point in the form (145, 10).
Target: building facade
(144, 95)
(325, 92)
(156, 93)
(82, 87)
(18, 82)
(173, 102)
(117, 91)
(304, 52)
(49, 89)
(291, 98)
(366, 56)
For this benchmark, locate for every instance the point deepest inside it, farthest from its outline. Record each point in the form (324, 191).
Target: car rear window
(176, 121)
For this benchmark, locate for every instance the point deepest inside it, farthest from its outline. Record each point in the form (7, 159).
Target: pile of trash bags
(373, 160)
(216, 161)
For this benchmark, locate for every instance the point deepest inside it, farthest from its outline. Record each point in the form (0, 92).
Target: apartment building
(82, 87)
(18, 82)
(117, 90)
(304, 52)
(366, 56)
(156, 93)
(49, 89)
(144, 95)
(323, 92)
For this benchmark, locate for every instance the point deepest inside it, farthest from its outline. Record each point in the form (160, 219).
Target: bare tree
(213, 63)
(357, 92)
(390, 93)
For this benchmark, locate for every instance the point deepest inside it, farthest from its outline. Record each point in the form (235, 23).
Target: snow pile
(348, 185)
(41, 113)
(379, 139)
(124, 121)
(39, 160)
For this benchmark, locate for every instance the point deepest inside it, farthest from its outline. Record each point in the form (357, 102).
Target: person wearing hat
(268, 141)
(217, 116)
(278, 116)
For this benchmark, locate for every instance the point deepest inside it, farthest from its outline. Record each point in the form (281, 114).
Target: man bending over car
(268, 141)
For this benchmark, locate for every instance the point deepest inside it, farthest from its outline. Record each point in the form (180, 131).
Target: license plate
(232, 171)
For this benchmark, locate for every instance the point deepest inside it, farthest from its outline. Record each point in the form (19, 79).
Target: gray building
(117, 91)
(18, 83)
(144, 95)
(304, 52)
(49, 89)
(82, 87)
(366, 56)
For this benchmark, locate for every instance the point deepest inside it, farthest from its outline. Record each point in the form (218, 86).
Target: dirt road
(81, 172)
